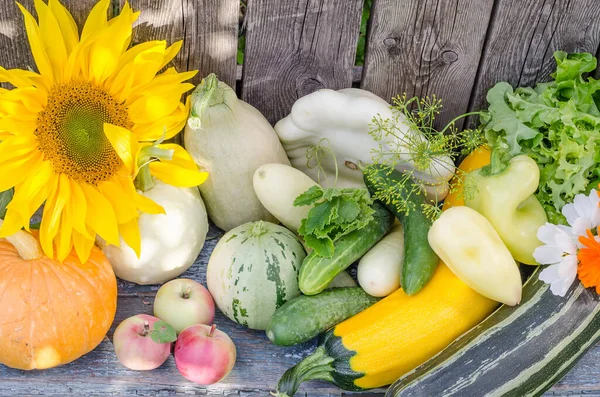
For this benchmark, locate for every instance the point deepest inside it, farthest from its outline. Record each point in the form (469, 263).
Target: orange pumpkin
(51, 313)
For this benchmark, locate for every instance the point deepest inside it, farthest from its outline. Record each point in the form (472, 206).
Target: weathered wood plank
(208, 28)
(15, 52)
(296, 47)
(426, 48)
(523, 35)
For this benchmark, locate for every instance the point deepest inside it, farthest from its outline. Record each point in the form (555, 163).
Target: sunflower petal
(171, 53)
(109, 45)
(169, 126)
(100, 215)
(123, 204)
(52, 39)
(51, 218)
(64, 243)
(78, 209)
(157, 104)
(165, 80)
(141, 70)
(180, 156)
(17, 146)
(15, 169)
(83, 245)
(175, 175)
(18, 77)
(124, 143)
(130, 232)
(147, 205)
(13, 222)
(36, 44)
(97, 20)
(67, 24)
(32, 192)
(24, 103)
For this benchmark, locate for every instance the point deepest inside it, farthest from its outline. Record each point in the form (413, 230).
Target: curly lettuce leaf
(335, 213)
(557, 124)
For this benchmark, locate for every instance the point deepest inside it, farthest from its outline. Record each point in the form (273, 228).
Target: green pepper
(504, 195)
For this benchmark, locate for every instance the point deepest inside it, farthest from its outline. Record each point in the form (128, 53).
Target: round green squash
(253, 270)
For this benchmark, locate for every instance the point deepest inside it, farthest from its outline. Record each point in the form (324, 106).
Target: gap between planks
(357, 72)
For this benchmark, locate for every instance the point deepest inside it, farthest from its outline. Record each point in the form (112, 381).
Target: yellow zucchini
(392, 337)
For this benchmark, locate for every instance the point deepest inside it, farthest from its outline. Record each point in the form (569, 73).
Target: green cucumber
(302, 318)
(419, 259)
(317, 272)
(517, 351)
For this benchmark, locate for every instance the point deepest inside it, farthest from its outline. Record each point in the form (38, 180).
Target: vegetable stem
(213, 328)
(317, 366)
(498, 162)
(144, 180)
(26, 245)
(454, 120)
(206, 95)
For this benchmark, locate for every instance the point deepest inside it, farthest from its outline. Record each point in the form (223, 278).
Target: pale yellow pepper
(506, 199)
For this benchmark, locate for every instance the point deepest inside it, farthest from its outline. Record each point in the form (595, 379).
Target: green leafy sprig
(409, 142)
(335, 213)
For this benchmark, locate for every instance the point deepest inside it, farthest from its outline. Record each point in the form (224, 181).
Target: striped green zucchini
(517, 351)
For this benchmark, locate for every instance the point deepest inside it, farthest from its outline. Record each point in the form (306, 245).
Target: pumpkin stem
(26, 245)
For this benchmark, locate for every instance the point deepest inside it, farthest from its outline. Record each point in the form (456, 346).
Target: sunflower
(75, 134)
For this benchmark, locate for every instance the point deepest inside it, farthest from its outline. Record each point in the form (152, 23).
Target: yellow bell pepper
(506, 199)
(478, 158)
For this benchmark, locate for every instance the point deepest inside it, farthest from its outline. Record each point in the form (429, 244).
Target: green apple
(183, 302)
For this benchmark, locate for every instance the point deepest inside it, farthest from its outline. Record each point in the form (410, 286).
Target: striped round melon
(253, 270)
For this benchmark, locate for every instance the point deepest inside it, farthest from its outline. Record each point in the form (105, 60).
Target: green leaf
(504, 120)
(163, 332)
(320, 215)
(322, 246)
(555, 123)
(5, 198)
(309, 197)
(348, 210)
(335, 213)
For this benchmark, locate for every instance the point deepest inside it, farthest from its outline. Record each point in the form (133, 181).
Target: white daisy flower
(584, 213)
(560, 252)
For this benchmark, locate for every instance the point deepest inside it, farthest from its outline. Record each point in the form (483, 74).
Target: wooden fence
(456, 49)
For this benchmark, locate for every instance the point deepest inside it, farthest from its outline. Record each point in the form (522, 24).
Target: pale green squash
(253, 270)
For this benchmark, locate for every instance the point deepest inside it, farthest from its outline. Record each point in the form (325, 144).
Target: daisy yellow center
(70, 131)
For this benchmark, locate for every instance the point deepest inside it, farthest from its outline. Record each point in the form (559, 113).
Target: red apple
(204, 354)
(184, 302)
(134, 346)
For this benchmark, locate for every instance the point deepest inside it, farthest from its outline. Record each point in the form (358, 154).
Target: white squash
(230, 139)
(379, 270)
(340, 122)
(171, 242)
(277, 186)
(253, 270)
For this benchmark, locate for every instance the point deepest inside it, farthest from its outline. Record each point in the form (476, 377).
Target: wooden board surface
(258, 368)
(296, 47)
(208, 27)
(523, 35)
(426, 48)
(14, 47)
